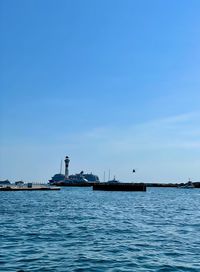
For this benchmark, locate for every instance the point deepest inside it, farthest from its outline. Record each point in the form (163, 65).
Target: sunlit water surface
(77, 229)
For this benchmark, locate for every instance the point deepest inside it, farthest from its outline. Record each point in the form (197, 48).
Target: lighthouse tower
(67, 160)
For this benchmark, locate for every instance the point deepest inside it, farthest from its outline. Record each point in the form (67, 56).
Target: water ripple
(77, 229)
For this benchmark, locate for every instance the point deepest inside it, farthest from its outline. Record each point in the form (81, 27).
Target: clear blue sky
(113, 84)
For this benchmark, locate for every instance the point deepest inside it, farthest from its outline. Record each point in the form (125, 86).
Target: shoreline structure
(88, 180)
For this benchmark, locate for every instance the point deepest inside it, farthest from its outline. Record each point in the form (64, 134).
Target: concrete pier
(28, 187)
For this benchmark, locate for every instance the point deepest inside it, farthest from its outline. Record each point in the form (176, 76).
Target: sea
(78, 229)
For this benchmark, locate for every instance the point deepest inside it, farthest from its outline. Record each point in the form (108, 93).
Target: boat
(188, 185)
(113, 181)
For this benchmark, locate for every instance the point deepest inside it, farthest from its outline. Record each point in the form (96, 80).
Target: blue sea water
(77, 229)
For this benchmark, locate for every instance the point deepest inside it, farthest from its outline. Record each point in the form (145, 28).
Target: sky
(112, 84)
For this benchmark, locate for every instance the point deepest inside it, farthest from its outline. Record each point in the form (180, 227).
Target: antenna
(109, 175)
(61, 167)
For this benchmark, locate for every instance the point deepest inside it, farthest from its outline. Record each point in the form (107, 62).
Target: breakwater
(162, 185)
(172, 185)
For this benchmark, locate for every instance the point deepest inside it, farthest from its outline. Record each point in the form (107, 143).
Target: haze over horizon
(112, 84)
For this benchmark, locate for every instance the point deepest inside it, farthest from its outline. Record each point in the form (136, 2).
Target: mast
(61, 167)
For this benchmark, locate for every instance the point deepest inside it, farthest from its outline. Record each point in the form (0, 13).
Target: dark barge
(119, 186)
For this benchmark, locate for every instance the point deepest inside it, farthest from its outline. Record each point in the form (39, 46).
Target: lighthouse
(67, 160)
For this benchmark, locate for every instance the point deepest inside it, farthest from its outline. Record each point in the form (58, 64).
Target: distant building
(4, 182)
(57, 178)
(19, 183)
